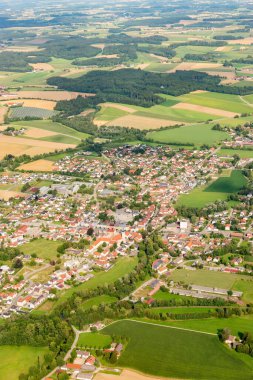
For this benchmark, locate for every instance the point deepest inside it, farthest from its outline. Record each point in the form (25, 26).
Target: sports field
(217, 190)
(162, 351)
(195, 134)
(18, 359)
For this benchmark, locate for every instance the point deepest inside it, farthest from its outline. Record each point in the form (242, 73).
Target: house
(84, 376)
(82, 354)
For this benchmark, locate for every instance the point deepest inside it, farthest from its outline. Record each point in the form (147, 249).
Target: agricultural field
(18, 359)
(94, 340)
(195, 134)
(23, 112)
(217, 190)
(38, 166)
(44, 249)
(162, 351)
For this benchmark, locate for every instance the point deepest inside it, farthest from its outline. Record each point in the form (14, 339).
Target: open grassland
(45, 249)
(18, 146)
(110, 113)
(217, 190)
(195, 134)
(234, 122)
(208, 110)
(94, 340)
(18, 359)
(161, 351)
(38, 166)
(231, 103)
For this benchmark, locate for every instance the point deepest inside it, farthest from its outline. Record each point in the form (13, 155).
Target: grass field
(18, 359)
(225, 102)
(196, 134)
(94, 340)
(45, 249)
(217, 190)
(162, 351)
(240, 152)
(96, 301)
(110, 113)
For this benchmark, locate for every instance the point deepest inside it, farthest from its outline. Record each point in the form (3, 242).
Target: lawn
(162, 351)
(196, 134)
(240, 152)
(226, 102)
(217, 190)
(45, 249)
(18, 359)
(94, 340)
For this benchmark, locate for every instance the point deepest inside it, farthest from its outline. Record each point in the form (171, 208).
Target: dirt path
(245, 101)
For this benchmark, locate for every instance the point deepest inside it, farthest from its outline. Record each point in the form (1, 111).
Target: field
(95, 301)
(217, 190)
(3, 111)
(162, 351)
(45, 249)
(37, 103)
(195, 134)
(94, 340)
(18, 359)
(240, 152)
(18, 146)
(38, 166)
(23, 112)
(127, 375)
(47, 95)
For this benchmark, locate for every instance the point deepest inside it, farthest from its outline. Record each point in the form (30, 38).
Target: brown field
(38, 166)
(142, 66)
(128, 375)
(37, 133)
(119, 107)
(108, 56)
(41, 66)
(37, 103)
(223, 48)
(3, 112)
(100, 46)
(7, 194)
(243, 41)
(211, 111)
(24, 49)
(141, 122)
(49, 95)
(229, 75)
(18, 146)
(196, 66)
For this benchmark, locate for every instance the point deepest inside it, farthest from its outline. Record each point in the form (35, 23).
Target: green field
(49, 125)
(23, 112)
(45, 249)
(96, 301)
(110, 113)
(240, 152)
(94, 340)
(226, 102)
(18, 359)
(217, 190)
(196, 134)
(162, 351)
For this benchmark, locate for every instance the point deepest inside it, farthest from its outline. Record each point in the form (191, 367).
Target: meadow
(217, 190)
(44, 249)
(96, 301)
(161, 351)
(195, 134)
(231, 152)
(18, 359)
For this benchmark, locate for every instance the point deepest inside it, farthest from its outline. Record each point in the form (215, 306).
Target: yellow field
(3, 112)
(7, 194)
(37, 133)
(208, 110)
(49, 95)
(128, 375)
(18, 146)
(243, 41)
(196, 66)
(39, 166)
(42, 66)
(37, 103)
(141, 122)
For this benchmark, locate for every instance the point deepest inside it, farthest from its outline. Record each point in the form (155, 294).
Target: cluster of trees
(7, 254)
(18, 62)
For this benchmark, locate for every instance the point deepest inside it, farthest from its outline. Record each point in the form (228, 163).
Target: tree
(18, 264)
(90, 231)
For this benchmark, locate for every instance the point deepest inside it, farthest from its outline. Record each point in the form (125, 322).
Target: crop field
(110, 113)
(23, 112)
(208, 110)
(195, 134)
(18, 359)
(231, 103)
(139, 121)
(3, 112)
(49, 125)
(218, 189)
(18, 146)
(162, 351)
(38, 103)
(47, 95)
(94, 340)
(38, 166)
(45, 249)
